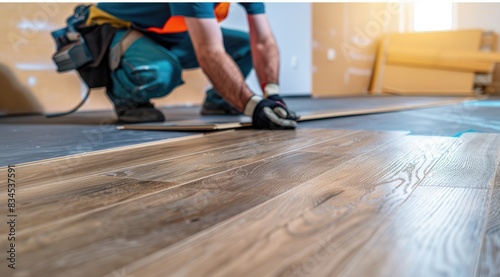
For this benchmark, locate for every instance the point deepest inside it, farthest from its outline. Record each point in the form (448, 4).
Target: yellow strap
(100, 17)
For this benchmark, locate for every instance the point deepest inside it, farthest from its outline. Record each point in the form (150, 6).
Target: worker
(177, 36)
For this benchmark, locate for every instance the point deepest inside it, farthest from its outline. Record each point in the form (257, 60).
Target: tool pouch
(84, 48)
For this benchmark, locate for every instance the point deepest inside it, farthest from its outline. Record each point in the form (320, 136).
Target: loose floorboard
(377, 107)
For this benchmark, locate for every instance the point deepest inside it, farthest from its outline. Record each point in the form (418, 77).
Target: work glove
(268, 114)
(271, 92)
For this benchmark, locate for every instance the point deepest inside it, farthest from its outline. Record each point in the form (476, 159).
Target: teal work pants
(149, 70)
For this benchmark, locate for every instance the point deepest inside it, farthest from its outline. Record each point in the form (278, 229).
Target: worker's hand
(268, 114)
(271, 91)
(276, 98)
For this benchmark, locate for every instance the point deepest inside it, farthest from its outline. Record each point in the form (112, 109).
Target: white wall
(291, 24)
(478, 15)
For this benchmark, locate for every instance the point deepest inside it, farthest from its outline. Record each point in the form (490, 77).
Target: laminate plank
(67, 198)
(46, 172)
(437, 232)
(201, 125)
(489, 261)
(384, 108)
(192, 167)
(361, 142)
(341, 207)
(472, 163)
(41, 204)
(87, 245)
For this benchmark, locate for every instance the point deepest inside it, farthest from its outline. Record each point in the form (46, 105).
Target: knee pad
(156, 79)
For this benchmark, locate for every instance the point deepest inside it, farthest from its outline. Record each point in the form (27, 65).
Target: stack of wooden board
(433, 62)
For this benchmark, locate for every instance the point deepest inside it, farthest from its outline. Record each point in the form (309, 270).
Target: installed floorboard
(279, 236)
(42, 203)
(195, 166)
(436, 232)
(48, 171)
(86, 244)
(489, 260)
(471, 163)
(360, 143)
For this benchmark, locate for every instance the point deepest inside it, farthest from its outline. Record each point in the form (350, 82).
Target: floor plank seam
(33, 228)
(121, 148)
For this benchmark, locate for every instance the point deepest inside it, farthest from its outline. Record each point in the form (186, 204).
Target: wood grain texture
(437, 232)
(471, 163)
(489, 261)
(44, 204)
(329, 216)
(195, 166)
(86, 244)
(46, 172)
(41, 204)
(360, 143)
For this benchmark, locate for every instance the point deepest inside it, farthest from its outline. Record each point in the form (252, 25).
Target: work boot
(138, 113)
(216, 105)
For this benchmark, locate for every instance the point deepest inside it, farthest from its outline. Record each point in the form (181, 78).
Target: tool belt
(83, 45)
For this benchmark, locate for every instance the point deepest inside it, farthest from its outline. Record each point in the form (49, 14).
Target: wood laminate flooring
(32, 138)
(309, 202)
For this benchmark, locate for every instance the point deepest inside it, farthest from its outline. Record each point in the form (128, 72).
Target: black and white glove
(268, 114)
(271, 91)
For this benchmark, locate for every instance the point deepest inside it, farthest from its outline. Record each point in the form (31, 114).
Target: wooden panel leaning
(420, 63)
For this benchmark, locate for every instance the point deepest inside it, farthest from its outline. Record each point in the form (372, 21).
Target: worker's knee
(147, 70)
(155, 79)
(140, 80)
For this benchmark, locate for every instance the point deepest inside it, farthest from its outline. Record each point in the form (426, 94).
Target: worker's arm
(222, 71)
(265, 54)
(227, 79)
(265, 57)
